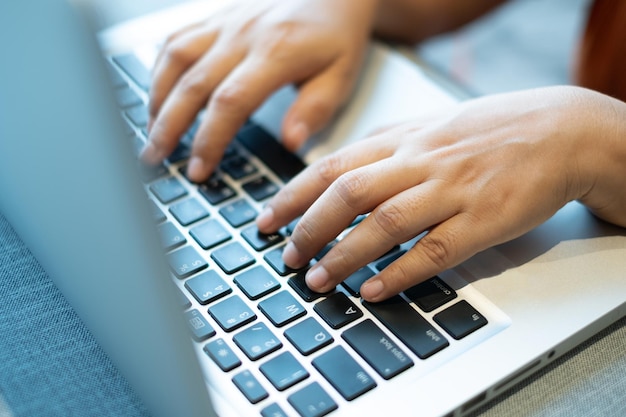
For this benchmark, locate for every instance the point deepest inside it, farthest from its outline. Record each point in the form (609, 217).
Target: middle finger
(356, 192)
(189, 96)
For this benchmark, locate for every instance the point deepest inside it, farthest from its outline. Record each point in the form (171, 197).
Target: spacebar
(263, 145)
(407, 324)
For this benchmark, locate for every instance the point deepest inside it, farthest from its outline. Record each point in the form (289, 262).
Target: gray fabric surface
(588, 381)
(50, 364)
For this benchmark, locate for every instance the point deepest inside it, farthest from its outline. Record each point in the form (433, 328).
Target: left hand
(486, 172)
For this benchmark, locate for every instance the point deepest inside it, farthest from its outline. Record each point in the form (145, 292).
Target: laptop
(195, 308)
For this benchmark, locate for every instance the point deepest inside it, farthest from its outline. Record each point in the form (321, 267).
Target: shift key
(407, 324)
(385, 356)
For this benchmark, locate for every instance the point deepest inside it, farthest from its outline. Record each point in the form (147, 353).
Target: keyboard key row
(337, 310)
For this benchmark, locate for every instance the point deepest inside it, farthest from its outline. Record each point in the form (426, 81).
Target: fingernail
(196, 169)
(291, 256)
(317, 278)
(265, 219)
(372, 289)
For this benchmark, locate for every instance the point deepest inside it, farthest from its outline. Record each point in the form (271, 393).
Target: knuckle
(329, 168)
(351, 188)
(391, 218)
(230, 98)
(175, 52)
(192, 86)
(283, 41)
(438, 248)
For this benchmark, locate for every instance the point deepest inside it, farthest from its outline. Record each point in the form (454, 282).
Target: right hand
(236, 59)
(482, 173)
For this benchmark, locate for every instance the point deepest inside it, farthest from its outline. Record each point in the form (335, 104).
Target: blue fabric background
(50, 364)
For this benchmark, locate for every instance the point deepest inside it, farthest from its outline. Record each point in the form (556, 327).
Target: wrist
(601, 156)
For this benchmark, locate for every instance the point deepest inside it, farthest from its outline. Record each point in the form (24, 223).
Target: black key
(114, 74)
(358, 219)
(353, 282)
(232, 257)
(171, 237)
(292, 225)
(187, 139)
(260, 188)
(312, 401)
(260, 241)
(188, 211)
(388, 260)
(326, 249)
(209, 234)
(430, 294)
(411, 328)
(222, 355)
(193, 129)
(133, 67)
(232, 313)
(215, 190)
(256, 282)
(168, 189)
(238, 167)
(186, 262)
(284, 371)
(138, 115)
(149, 173)
(129, 130)
(138, 144)
(181, 152)
(273, 410)
(275, 259)
(308, 336)
(298, 283)
(182, 299)
(344, 373)
(257, 341)
(238, 213)
(127, 97)
(207, 287)
(337, 310)
(250, 387)
(157, 215)
(200, 328)
(282, 308)
(386, 357)
(259, 142)
(460, 319)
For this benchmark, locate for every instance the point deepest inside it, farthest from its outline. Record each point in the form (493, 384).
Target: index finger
(302, 191)
(231, 104)
(188, 96)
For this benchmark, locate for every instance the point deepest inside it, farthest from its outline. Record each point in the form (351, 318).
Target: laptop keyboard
(252, 316)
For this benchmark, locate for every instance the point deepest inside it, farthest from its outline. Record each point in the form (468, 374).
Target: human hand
(486, 172)
(236, 59)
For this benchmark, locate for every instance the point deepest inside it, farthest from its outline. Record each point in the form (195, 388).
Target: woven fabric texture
(50, 364)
